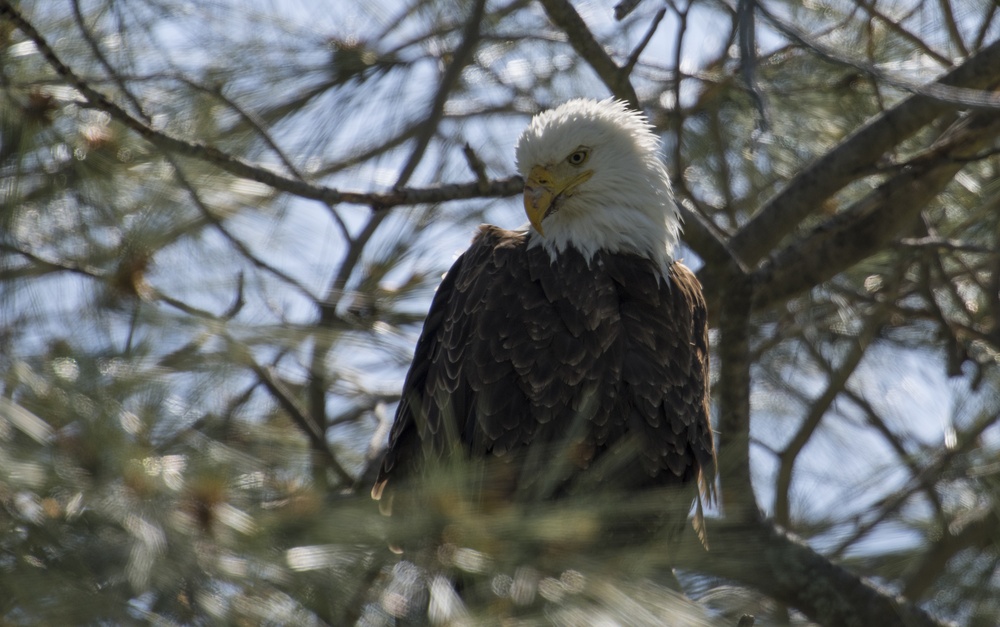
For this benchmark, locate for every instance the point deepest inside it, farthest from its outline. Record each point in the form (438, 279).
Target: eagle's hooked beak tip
(540, 190)
(536, 207)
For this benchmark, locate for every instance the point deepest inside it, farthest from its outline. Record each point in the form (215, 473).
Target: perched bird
(571, 354)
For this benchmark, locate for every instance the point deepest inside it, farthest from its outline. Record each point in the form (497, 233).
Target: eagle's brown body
(602, 365)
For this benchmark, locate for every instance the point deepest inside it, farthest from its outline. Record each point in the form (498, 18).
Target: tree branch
(758, 554)
(734, 396)
(855, 156)
(869, 224)
(313, 432)
(980, 530)
(460, 58)
(564, 16)
(837, 381)
(234, 165)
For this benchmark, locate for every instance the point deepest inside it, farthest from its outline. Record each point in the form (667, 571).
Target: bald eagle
(573, 351)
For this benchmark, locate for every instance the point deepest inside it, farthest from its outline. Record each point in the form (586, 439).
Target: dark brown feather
(605, 361)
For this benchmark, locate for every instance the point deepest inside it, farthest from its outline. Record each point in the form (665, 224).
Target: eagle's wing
(686, 400)
(434, 408)
(518, 349)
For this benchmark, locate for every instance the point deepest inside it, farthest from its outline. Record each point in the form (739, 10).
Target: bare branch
(476, 165)
(967, 440)
(837, 381)
(747, 29)
(948, 17)
(563, 15)
(942, 92)
(460, 58)
(634, 57)
(978, 530)
(313, 432)
(894, 26)
(623, 8)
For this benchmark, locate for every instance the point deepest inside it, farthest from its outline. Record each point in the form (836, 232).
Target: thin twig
(634, 57)
(564, 16)
(461, 57)
(314, 433)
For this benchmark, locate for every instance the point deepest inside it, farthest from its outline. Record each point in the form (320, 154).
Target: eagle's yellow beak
(544, 186)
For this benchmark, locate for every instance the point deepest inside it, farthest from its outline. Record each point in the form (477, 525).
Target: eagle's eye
(579, 156)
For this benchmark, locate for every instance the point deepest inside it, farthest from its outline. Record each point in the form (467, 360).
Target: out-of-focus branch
(981, 529)
(837, 381)
(328, 316)
(313, 432)
(954, 34)
(747, 31)
(564, 16)
(460, 58)
(634, 57)
(954, 95)
(234, 165)
(967, 440)
(904, 456)
(623, 8)
(894, 26)
(179, 173)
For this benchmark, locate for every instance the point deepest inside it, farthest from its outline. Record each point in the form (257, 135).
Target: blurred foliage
(198, 370)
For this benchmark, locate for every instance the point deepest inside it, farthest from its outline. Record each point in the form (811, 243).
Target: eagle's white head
(594, 180)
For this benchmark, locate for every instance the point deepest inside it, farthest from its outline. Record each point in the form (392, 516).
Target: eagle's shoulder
(687, 283)
(492, 236)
